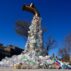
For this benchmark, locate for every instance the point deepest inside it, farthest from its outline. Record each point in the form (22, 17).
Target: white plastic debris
(31, 57)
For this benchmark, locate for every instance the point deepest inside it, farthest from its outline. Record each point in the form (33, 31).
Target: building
(9, 51)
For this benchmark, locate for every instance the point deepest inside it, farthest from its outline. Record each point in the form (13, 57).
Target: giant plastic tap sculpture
(34, 41)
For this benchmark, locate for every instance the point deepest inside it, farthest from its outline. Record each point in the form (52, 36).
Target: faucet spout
(31, 8)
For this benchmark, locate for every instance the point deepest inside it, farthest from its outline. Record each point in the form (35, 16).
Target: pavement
(9, 69)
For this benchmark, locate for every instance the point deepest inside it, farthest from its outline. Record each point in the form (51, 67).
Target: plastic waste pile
(25, 61)
(32, 57)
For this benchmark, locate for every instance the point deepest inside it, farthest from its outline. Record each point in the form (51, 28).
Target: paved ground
(32, 70)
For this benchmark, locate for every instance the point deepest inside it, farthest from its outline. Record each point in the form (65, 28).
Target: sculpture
(31, 8)
(34, 41)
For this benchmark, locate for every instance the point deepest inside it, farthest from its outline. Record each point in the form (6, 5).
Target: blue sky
(55, 14)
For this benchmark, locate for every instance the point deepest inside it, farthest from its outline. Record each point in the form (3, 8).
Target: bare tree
(22, 28)
(65, 52)
(49, 44)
